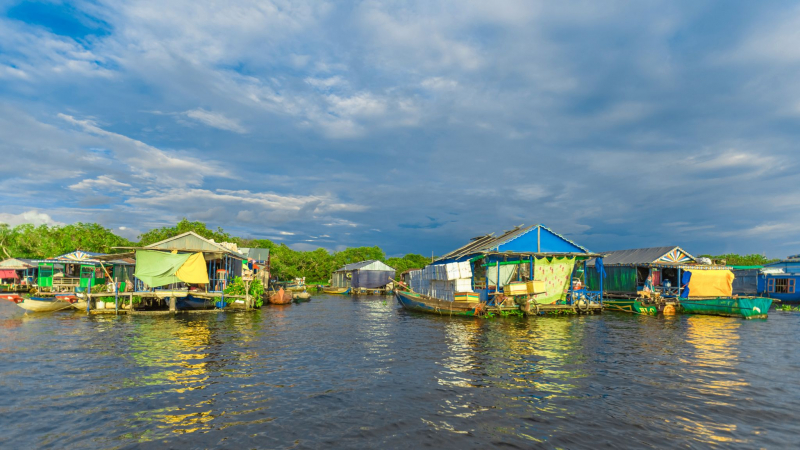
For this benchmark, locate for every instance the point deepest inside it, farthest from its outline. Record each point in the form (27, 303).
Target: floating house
(534, 261)
(659, 269)
(78, 270)
(779, 280)
(371, 274)
(223, 261)
(17, 273)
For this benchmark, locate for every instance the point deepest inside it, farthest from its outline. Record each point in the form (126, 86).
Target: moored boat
(280, 298)
(422, 303)
(300, 297)
(745, 307)
(336, 291)
(42, 304)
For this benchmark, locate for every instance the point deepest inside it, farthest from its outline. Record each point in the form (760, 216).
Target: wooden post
(173, 304)
(539, 239)
(116, 297)
(89, 296)
(247, 294)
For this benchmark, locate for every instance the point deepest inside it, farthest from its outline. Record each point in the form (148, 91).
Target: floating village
(525, 271)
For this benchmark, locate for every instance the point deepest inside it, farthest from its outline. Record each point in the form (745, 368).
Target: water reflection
(712, 377)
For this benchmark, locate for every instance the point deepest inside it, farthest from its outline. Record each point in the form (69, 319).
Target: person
(648, 284)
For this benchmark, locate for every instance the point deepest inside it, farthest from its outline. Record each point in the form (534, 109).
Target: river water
(359, 372)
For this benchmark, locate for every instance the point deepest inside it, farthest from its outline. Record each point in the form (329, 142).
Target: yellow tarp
(711, 283)
(194, 270)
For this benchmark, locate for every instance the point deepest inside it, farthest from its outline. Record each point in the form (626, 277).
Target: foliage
(159, 234)
(787, 308)
(732, 259)
(410, 261)
(237, 288)
(29, 241)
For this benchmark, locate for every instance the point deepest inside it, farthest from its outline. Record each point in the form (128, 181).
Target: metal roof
(642, 256)
(193, 242)
(16, 264)
(484, 244)
(372, 264)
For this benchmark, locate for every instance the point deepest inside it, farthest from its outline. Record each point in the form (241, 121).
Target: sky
(411, 125)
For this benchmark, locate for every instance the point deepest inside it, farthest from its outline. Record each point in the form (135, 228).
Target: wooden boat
(336, 291)
(191, 302)
(422, 303)
(745, 307)
(635, 306)
(177, 293)
(300, 297)
(42, 304)
(280, 298)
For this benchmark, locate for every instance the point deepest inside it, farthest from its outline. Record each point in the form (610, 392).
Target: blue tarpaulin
(685, 278)
(371, 279)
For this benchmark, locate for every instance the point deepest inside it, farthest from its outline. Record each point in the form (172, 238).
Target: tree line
(43, 241)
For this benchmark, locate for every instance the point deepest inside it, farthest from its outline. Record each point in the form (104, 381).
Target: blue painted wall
(551, 243)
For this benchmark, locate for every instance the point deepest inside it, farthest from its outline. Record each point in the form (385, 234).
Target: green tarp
(618, 279)
(557, 276)
(158, 268)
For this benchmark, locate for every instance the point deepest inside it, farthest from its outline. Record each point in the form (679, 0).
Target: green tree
(733, 259)
(159, 234)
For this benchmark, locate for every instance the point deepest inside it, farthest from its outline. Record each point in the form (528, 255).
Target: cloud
(101, 182)
(215, 120)
(32, 217)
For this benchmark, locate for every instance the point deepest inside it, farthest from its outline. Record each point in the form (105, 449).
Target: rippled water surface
(357, 372)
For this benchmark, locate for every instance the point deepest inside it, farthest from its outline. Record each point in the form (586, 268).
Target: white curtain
(506, 273)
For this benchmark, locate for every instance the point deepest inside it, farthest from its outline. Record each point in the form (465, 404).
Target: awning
(8, 273)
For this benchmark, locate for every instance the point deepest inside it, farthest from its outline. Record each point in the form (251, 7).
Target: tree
(733, 259)
(159, 234)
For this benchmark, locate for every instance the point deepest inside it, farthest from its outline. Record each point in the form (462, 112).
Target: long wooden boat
(745, 307)
(421, 303)
(336, 291)
(42, 304)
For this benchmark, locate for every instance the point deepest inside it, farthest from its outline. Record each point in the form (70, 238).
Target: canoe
(336, 291)
(280, 298)
(43, 304)
(745, 307)
(421, 303)
(300, 297)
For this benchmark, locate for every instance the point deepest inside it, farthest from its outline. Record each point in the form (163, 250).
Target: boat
(167, 293)
(745, 307)
(422, 303)
(280, 298)
(192, 302)
(336, 291)
(300, 297)
(630, 305)
(42, 304)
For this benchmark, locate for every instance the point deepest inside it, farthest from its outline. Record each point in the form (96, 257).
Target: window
(781, 285)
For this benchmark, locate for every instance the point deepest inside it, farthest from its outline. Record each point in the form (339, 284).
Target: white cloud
(33, 217)
(101, 182)
(216, 120)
